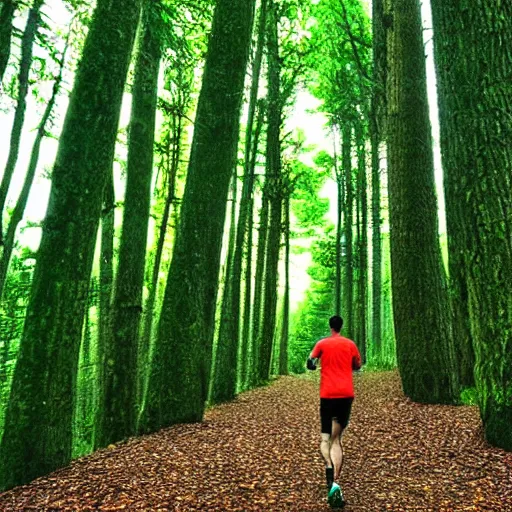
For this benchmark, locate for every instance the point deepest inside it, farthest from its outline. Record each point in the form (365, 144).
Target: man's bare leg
(336, 452)
(325, 449)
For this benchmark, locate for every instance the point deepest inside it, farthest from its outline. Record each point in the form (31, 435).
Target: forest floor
(261, 453)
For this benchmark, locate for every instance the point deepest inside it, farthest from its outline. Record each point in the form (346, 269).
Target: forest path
(261, 453)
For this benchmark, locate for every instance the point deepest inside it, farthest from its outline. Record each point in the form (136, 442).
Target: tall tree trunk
(248, 342)
(377, 121)
(225, 367)
(145, 345)
(186, 325)
(362, 287)
(274, 186)
(476, 140)
(261, 253)
(83, 421)
(283, 348)
(27, 43)
(348, 292)
(120, 404)
(420, 301)
(457, 208)
(338, 174)
(6, 17)
(38, 424)
(230, 319)
(105, 311)
(21, 203)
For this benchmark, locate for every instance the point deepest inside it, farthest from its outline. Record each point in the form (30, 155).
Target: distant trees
(343, 82)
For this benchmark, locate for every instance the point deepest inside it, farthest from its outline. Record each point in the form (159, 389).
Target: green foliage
(340, 62)
(310, 323)
(469, 396)
(307, 207)
(12, 315)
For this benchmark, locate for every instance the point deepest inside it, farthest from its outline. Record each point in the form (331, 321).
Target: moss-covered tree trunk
(120, 404)
(38, 426)
(27, 44)
(475, 109)
(273, 184)
(420, 300)
(248, 341)
(377, 120)
(457, 210)
(226, 375)
(146, 338)
(105, 299)
(225, 366)
(180, 371)
(259, 274)
(285, 327)
(362, 278)
(348, 220)
(6, 17)
(340, 192)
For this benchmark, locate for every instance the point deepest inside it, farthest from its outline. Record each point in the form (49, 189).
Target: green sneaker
(335, 497)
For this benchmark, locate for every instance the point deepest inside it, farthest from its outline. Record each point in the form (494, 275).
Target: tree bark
(145, 345)
(475, 108)
(186, 327)
(106, 286)
(27, 43)
(273, 184)
(283, 348)
(229, 335)
(420, 302)
(120, 405)
(377, 122)
(6, 17)
(338, 174)
(248, 343)
(348, 288)
(225, 368)
(38, 425)
(362, 296)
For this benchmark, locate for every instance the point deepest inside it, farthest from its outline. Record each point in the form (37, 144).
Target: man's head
(336, 323)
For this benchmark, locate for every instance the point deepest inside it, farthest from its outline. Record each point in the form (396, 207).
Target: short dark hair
(336, 323)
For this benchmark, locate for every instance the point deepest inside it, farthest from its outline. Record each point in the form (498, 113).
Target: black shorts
(334, 409)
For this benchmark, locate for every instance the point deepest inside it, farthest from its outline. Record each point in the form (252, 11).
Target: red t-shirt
(339, 356)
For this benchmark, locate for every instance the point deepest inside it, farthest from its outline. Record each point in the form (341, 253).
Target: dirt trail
(260, 453)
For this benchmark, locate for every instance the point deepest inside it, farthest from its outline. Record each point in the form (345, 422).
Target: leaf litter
(261, 453)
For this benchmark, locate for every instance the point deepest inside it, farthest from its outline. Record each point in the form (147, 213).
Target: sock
(329, 475)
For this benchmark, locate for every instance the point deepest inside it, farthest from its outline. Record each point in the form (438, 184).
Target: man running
(339, 357)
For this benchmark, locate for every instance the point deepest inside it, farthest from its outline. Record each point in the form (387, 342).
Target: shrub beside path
(261, 453)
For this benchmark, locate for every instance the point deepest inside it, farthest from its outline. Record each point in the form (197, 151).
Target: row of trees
(100, 359)
(94, 356)
(451, 329)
